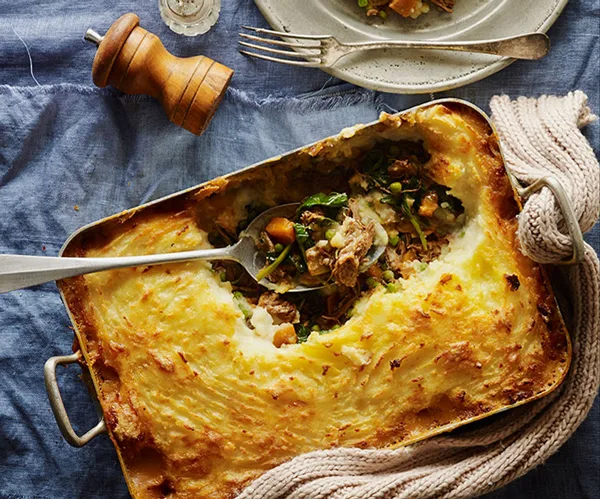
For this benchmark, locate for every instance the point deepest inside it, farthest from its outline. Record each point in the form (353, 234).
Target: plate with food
(206, 379)
(413, 71)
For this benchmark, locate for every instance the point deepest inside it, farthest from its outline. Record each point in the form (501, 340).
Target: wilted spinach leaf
(304, 240)
(302, 333)
(298, 262)
(413, 220)
(393, 200)
(302, 235)
(331, 200)
(378, 171)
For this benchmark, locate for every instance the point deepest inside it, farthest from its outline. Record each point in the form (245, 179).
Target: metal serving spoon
(17, 271)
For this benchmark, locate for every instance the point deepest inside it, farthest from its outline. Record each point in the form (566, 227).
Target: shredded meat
(446, 5)
(400, 259)
(402, 168)
(280, 309)
(318, 260)
(310, 217)
(358, 238)
(434, 249)
(315, 219)
(340, 302)
(264, 243)
(393, 259)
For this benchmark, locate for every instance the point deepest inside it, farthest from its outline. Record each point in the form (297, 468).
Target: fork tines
(310, 52)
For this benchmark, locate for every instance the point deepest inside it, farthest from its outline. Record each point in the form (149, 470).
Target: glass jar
(189, 17)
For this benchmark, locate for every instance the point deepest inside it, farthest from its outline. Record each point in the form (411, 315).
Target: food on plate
(207, 380)
(406, 8)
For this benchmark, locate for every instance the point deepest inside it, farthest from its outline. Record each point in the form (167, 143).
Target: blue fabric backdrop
(65, 144)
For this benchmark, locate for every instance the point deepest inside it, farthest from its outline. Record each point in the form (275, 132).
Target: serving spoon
(18, 271)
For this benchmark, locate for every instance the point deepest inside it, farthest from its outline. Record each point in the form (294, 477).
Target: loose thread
(390, 108)
(325, 84)
(28, 54)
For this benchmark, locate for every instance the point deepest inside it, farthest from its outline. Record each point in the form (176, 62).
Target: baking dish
(166, 440)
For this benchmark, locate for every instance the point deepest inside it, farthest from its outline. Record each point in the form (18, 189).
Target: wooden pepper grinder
(135, 61)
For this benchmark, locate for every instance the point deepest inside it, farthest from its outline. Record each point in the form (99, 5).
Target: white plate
(417, 71)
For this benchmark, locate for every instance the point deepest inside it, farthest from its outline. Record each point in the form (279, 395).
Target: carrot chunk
(403, 7)
(281, 230)
(285, 335)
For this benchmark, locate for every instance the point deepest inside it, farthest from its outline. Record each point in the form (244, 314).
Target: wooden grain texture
(135, 61)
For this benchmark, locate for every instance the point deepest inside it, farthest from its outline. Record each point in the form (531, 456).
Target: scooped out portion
(326, 242)
(389, 201)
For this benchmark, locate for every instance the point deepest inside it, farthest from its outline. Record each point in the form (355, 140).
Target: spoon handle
(18, 271)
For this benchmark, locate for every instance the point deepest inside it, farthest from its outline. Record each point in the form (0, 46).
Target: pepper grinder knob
(135, 61)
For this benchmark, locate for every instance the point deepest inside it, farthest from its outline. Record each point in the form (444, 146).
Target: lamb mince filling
(326, 243)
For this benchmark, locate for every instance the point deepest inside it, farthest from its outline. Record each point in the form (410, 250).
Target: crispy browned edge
(556, 343)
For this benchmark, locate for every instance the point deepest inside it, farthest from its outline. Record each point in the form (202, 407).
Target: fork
(326, 50)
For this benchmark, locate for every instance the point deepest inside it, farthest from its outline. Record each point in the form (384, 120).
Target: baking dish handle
(568, 213)
(58, 407)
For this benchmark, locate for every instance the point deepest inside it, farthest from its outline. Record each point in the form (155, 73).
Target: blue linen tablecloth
(71, 154)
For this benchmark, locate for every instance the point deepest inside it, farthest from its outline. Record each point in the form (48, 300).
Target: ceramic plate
(416, 71)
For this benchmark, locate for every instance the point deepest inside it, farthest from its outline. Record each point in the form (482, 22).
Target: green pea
(382, 14)
(388, 275)
(363, 3)
(372, 283)
(329, 234)
(396, 188)
(278, 247)
(391, 287)
(223, 276)
(316, 328)
(337, 326)
(394, 240)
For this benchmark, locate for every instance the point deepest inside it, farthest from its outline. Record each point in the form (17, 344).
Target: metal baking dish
(79, 356)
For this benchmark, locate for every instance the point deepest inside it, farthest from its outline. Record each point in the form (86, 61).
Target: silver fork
(323, 51)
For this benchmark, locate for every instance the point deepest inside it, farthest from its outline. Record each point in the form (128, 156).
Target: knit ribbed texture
(539, 137)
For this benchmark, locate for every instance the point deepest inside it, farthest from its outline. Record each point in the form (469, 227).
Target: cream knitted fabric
(539, 136)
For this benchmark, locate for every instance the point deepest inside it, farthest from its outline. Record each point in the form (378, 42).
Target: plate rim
(412, 89)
